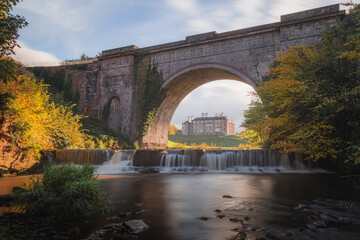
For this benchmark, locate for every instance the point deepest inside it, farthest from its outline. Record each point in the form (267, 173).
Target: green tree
(9, 27)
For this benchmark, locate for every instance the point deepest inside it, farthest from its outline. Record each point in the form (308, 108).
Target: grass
(211, 141)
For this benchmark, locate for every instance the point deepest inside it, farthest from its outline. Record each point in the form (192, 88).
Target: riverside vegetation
(309, 102)
(53, 205)
(63, 193)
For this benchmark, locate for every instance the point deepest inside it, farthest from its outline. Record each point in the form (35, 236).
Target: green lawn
(218, 140)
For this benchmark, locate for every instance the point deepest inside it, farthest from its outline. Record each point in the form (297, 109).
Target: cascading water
(121, 161)
(177, 160)
(189, 160)
(225, 160)
(245, 161)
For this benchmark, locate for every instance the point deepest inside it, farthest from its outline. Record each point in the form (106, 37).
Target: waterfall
(225, 160)
(245, 161)
(189, 160)
(297, 164)
(121, 161)
(176, 160)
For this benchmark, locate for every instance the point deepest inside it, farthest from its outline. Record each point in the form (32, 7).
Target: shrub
(63, 193)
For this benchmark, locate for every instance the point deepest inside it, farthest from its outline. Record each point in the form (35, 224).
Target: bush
(63, 193)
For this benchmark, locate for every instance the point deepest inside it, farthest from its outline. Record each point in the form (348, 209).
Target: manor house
(205, 125)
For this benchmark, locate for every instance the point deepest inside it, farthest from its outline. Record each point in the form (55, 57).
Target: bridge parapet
(309, 14)
(122, 50)
(201, 37)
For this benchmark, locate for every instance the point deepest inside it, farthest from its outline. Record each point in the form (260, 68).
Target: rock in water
(227, 196)
(135, 226)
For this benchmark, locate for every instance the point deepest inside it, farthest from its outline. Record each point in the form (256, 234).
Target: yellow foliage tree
(172, 129)
(33, 122)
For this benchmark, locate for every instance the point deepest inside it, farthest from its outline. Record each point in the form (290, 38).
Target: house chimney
(189, 119)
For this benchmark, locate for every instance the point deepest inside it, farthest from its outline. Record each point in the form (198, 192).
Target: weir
(178, 160)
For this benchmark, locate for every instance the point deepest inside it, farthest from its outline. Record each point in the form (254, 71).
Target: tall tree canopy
(9, 27)
(310, 101)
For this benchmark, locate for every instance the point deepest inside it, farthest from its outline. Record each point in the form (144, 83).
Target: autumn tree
(310, 101)
(173, 130)
(33, 121)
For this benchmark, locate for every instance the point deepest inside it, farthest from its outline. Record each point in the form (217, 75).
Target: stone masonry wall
(243, 55)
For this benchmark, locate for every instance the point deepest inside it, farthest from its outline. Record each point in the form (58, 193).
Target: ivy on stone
(149, 92)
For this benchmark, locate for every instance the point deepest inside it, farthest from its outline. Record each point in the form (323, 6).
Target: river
(222, 195)
(183, 206)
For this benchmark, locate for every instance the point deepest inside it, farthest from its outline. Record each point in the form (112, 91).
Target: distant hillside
(218, 140)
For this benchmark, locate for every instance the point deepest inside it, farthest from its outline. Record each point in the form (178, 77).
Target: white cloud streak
(60, 13)
(29, 57)
(184, 6)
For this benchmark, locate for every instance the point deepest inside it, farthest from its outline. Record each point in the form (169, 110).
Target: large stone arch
(177, 87)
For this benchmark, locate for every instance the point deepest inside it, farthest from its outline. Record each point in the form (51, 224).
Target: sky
(64, 29)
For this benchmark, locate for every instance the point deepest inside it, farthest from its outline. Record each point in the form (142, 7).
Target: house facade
(205, 125)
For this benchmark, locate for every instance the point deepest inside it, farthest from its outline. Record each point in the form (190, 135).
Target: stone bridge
(243, 55)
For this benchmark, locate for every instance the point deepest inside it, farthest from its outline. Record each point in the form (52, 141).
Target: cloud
(64, 14)
(281, 7)
(29, 57)
(200, 25)
(184, 6)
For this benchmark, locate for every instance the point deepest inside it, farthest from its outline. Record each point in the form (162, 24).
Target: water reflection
(173, 204)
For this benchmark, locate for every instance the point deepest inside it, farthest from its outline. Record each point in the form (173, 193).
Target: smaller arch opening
(114, 118)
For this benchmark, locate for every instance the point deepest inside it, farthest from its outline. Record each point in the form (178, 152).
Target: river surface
(191, 206)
